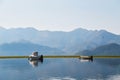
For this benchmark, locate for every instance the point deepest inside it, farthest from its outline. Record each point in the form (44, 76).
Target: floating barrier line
(65, 56)
(4, 57)
(106, 56)
(59, 56)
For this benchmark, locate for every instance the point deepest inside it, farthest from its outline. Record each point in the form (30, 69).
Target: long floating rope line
(59, 56)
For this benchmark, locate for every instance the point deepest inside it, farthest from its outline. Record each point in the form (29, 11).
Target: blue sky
(62, 15)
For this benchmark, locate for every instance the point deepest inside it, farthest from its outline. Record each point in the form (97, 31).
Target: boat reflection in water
(34, 63)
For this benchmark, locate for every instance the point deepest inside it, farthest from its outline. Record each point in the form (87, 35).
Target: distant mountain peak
(80, 29)
(86, 30)
(103, 31)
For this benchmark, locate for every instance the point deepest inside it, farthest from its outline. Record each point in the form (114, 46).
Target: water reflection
(35, 63)
(58, 78)
(110, 62)
(59, 69)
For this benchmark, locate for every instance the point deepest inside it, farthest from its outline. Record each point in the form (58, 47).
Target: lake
(60, 69)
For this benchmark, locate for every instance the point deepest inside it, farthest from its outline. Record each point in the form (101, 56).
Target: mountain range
(112, 49)
(26, 48)
(69, 42)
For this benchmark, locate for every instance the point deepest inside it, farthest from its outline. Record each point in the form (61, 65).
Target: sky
(61, 15)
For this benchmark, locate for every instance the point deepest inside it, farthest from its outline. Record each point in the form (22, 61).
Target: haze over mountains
(26, 48)
(112, 49)
(69, 42)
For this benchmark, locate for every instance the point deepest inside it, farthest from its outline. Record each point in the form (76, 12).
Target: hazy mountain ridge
(26, 48)
(109, 49)
(71, 42)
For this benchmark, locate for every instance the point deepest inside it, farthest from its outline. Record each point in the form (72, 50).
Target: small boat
(86, 58)
(35, 57)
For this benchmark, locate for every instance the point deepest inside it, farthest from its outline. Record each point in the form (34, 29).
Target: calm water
(60, 69)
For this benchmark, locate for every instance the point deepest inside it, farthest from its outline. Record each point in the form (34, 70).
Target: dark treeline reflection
(61, 69)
